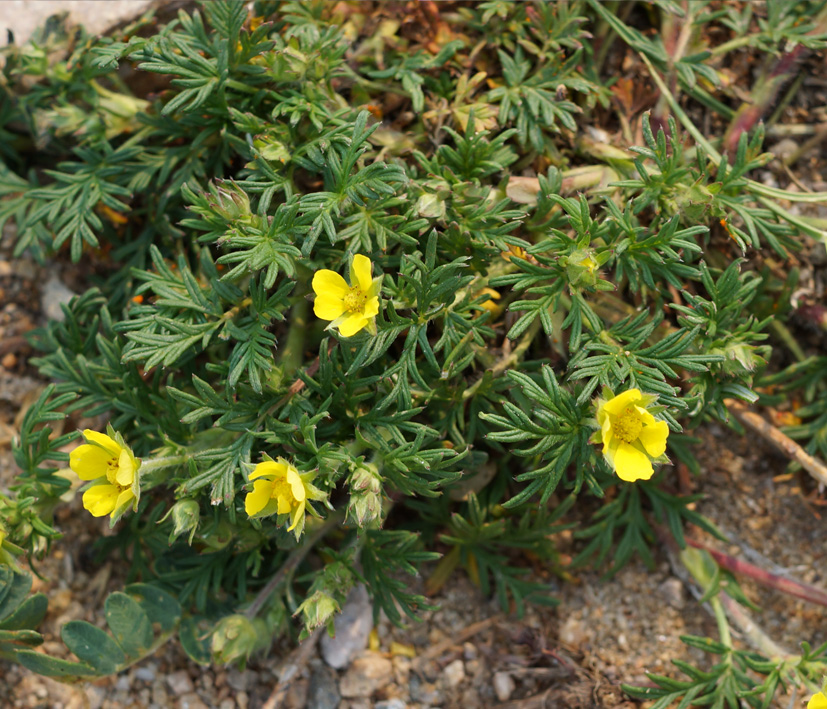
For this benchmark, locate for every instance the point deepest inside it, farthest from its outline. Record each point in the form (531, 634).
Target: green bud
(185, 517)
(365, 505)
(232, 202)
(234, 638)
(318, 609)
(431, 206)
(271, 149)
(581, 268)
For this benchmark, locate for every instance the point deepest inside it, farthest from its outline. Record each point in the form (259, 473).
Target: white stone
(503, 686)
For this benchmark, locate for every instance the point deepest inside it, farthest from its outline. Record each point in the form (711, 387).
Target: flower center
(112, 470)
(283, 491)
(355, 300)
(628, 425)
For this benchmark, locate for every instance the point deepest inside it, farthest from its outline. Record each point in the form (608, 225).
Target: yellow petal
(618, 405)
(126, 470)
(360, 269)
(89, 462)
(124, 499)
(371, 309)
(645, 416)
(103, 441)
(328, 308)
(654, 437)
(352, 324)
(257, 500)
(330, 284)
(817, 701)
(298, 513)
(632, 464)
(296, 484)
(268, 467)
(285, 504)
(606, 432)
(100, 500)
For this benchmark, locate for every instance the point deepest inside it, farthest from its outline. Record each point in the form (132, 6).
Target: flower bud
(431, 206)
(365, 503)
(581, 268)
(232, 202)
(234, 638)
(318, 609)
(185, 517)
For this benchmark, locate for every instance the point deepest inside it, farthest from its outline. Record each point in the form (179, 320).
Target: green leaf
(29, 614)
(93, 646)
(195, 642)
(53, 667)
(160, 606)
(129, 623)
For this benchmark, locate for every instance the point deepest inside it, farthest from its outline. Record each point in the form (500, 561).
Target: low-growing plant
(366, 295)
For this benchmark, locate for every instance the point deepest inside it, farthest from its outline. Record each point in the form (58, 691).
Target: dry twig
(783, 443)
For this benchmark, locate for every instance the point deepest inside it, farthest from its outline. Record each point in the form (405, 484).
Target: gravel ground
(22, 17)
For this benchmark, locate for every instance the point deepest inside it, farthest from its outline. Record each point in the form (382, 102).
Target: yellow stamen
(354, 300)
(628, 425)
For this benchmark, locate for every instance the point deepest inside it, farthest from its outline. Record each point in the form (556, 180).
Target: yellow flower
(630, 434)
(817, 701)
(279, 488)
(350, 307)
(113, 470)
(489, 304)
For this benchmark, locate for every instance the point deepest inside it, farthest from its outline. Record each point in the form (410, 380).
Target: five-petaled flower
(817, 701)
(631, 436)
(111, 467)
(350, 307)
(279, 488)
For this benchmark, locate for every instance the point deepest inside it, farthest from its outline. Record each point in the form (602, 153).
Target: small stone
(352, 629)
(159, 694)
(9, 360)
(180, 683)
(323, 692)
(573, 632)
(425, 692)
(366, 674)
(469, 651)
(390, 704)
(146, 673)
(227, 704)
(672, 592)
(241, 681)
(503, 686)
(190, 701)
(453, 674)
(122, 685)
(243, 700)
(53, 295)
(401, 669)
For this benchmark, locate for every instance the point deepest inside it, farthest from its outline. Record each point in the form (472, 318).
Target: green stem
(720, 618)
(510, 359)
(296, 557)
(292, 353)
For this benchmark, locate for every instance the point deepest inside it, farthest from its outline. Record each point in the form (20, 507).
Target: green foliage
(521, 266)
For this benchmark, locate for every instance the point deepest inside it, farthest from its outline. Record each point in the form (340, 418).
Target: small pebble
(353, 626)
(365, 675)
(672, 591)
(503, 686)
(227, 704)
(191, 701)
(145, 673)
(469, 651)
(454, 674)
(9, 360)
(390, 704)
(573, 632)
(180, 683)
